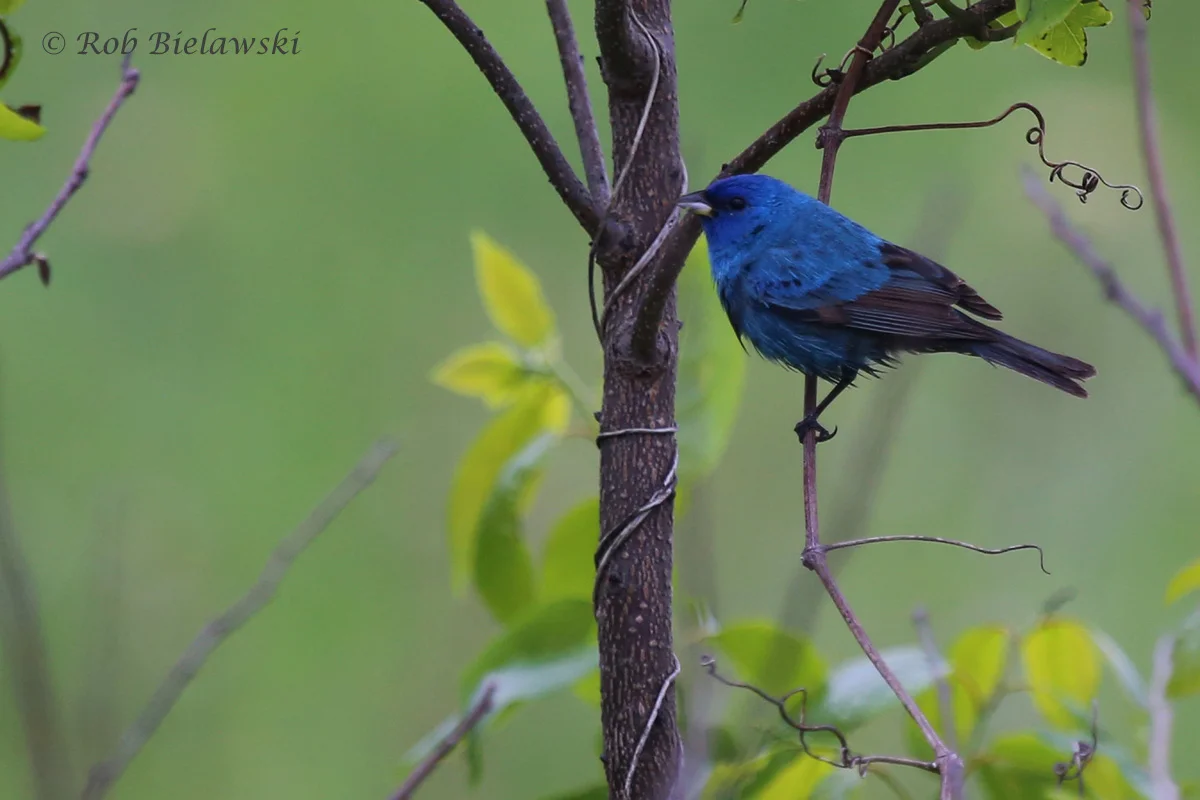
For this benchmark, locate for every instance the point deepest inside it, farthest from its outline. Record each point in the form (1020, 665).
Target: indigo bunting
(817, 292)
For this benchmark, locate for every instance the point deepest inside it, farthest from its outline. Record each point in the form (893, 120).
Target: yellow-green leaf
(511, 293)
(1185, 660)
(1061, 668)
(539, 408)
(567, 567)
(1039, 16)
(9, 6)
(1186, 581)
(490, 371)
(965, 717)
(15, 49)
(1067, 42)
(587, 688)
(774, 660)
(796, 781)
(712, 369)
(504, 573)
(978, 658)
(15, 127)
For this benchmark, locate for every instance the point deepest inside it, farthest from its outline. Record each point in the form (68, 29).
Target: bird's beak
(696, 203)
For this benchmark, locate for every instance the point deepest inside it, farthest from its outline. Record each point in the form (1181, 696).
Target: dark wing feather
(934, 279)
(902, 311)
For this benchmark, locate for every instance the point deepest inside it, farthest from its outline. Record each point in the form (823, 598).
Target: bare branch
(950, 765)
(1148, 120)
(533, 127)
(938, 540)
(907, 57)
(1150, 319)
(1158, 748)
(938, 667)
(23, 644)
(23, 254)
(103, 775)
(446, 746)
(580, 102)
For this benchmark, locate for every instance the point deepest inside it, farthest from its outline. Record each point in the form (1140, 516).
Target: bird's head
(740, 208)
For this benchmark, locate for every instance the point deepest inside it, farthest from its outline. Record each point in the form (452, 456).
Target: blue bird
(817, 292)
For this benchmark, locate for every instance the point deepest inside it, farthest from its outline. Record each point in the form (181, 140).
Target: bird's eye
(737, 203)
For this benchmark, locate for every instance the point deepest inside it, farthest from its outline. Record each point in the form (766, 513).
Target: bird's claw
(805, 425)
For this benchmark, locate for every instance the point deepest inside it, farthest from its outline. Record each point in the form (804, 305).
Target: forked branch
(573, 193)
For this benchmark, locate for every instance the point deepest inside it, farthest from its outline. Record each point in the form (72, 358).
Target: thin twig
(950, 766)
(580, 102)
(573, 193)
(446, 746)
(23, 254)
(1158, 748)
(1150, 319)
(938, 540)
(940, 669)
(847, 758)
(23, 644)
(1152, 151)
(103, 775)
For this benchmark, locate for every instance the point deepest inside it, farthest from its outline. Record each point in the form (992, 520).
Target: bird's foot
(810, 424)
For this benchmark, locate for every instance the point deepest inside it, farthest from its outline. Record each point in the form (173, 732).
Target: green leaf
(15, 127)
(511, 294)
(1066, 42)
(772, 659)
(587, 688)
(504, 573)
(1061, 668)
(511, 684)
(567, 566)
(539, 408)
(1122, 666)
(856, 692)
(1186, 581)
(712, 370)
(9, 6)
(978, 659)
(1039, 16)
(796, 781)
(1185, 661)
(977, 662)
(490, 371)
(545, 635)
(16, 48)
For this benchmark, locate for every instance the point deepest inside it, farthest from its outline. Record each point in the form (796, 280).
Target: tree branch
(1152, 151)
(898, 62)
(580, 102)
(950, 765)
(103, 775)
(23, 254)
(573, 193)
(1150, 319)
(1158, 747)
(446, 746)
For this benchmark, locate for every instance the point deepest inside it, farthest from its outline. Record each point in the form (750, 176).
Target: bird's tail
(1061, 372)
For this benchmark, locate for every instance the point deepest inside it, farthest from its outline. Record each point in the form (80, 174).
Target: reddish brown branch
(23, 254)
(1152, 151)
(580, 103)
(446, 746)
(1150, 319)
(950, 766)
(573, 193)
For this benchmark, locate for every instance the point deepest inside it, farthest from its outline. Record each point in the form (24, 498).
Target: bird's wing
(931, 277)
(901, 293)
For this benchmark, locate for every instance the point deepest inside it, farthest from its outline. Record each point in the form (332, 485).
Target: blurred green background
(272, 253)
